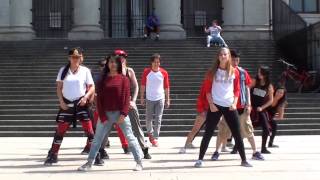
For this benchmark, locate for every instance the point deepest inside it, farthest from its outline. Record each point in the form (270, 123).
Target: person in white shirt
(75, 87)
(214, 36)
(155, 82)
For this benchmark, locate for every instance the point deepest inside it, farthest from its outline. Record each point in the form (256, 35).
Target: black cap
(235, 53)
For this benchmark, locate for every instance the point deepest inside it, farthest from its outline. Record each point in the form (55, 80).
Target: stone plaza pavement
(297, 158)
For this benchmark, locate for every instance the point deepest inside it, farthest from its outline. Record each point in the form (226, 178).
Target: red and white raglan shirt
(155, 82)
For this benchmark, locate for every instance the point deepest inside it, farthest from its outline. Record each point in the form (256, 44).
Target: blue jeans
(103, 128)
(216, 39)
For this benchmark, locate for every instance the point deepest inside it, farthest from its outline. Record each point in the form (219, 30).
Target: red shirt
(113, 95)
(247, 83)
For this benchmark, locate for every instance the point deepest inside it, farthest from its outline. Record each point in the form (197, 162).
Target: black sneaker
(245, 164)
(257, 156)
(108, 144)
(146, 153)
(273, 146)
(215, 156)
(51, 159)
(157, 38)
(103, 154)
(265, 151)
(234, 151)
(98, 161)
(126, 150)
(85, 151)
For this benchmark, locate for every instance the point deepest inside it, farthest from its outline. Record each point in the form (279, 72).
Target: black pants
(232, 120)
(274, 127)
(263, 122)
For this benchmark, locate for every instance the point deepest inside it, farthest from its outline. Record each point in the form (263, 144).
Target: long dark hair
(106, 69)
(284, 97)
(265, 72)
(66, 68)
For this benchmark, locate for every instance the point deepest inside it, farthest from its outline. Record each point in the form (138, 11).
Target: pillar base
(172, 32)
(86, 32)
(16, 34)
(243, 32)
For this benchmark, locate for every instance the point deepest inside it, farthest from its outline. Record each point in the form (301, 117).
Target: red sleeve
(236, 83)
(125, 96)
(166, 84)
(202, 102)
(248, 78)
(207, 86)
(146, 71)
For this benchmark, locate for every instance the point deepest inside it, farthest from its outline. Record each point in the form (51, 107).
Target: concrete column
(169, 13)
(232, 13)
(15, 21)
(86, 21)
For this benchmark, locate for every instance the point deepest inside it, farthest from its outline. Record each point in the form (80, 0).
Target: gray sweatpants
(154, 109)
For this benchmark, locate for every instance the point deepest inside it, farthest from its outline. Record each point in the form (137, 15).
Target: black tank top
(258, 95)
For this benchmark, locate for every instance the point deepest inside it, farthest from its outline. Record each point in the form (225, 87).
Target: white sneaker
(225, 149)
(208, 45)
(182, 151)
(138, 167)
(190, 146)
(86, 167)
(198, 164)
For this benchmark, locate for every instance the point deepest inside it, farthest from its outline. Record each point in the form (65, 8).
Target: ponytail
(65, 71)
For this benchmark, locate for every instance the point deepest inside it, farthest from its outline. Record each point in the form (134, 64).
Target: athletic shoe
(182, 151)
(224, 149)
(190, 146)
(104, 154)
(234, 151)
(229, 144)
(157, 38)
(108, 144)
(215, 156)
(138, 167)
(153, 141)
(86, 167)
(257, 156)
(273, 146)
(198, 164)
(245, 164)
(51, 159)
(126, 150)
(98, 161)
(265, 151)
(208, 45)
(85, 151)
(146, 154)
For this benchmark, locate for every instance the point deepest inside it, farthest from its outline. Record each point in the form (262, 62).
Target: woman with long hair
(222, 97)
(276, 112)
(261, 99)
(113, 100)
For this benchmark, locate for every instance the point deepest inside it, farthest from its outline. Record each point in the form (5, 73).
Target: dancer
(113, 100)
(75, 86)
(222, 97)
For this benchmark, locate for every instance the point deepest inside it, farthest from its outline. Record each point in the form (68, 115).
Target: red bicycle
(304, 81)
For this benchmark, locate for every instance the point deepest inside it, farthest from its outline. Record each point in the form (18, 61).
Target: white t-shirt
(222, 89)
(156, 83)
(75, 85)
(215, 31)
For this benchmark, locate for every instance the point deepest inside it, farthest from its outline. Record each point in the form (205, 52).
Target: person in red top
(202, 108)
(155, 82)
(222, 97)
(113, 99)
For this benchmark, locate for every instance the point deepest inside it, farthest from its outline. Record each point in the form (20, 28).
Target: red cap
(120, 52)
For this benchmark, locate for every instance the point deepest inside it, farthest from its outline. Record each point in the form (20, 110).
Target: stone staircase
(28, 103)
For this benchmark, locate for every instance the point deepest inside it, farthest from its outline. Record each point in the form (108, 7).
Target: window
(200, 18)
(305, 6)
(55, 19)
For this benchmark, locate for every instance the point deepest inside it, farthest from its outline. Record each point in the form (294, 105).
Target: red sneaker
(153, 141)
